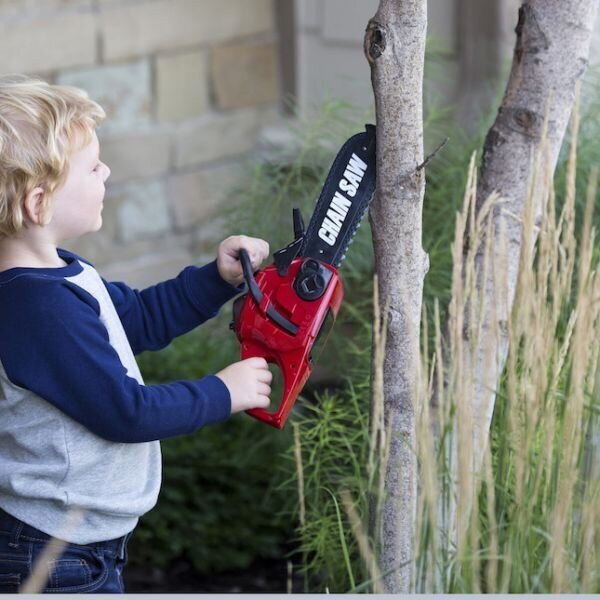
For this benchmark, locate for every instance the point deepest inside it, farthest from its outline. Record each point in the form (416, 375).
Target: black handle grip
(257, 294)
(249, 276)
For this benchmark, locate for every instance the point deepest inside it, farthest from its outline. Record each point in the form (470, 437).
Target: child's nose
(106, 171)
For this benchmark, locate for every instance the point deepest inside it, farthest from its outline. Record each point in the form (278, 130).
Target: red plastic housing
(260, 336)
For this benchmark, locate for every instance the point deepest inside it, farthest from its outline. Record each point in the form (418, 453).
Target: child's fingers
(263, 401)
(257, 362)
(257, 249)
(263, 389)
(262, 248)
(264, 375)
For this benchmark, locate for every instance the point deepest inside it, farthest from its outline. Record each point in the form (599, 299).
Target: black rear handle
(257, 294)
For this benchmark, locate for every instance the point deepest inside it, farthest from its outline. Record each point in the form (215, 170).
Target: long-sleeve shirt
(78, 427)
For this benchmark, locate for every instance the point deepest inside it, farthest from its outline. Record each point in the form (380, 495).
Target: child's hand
(248, 382)
(228, 262)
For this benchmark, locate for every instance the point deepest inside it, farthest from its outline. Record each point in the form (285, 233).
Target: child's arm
(54, 344)
(154, 316)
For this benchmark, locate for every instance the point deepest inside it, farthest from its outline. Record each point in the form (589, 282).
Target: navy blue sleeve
(53, 343)
(153, 317)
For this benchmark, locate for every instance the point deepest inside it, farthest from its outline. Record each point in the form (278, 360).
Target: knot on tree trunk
(523, 120)
(375, 40)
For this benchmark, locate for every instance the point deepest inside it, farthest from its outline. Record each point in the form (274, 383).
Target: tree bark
(395, 49)
(550, 57)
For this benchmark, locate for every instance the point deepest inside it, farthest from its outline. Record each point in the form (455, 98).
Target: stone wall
(187, 85)
(468, 42)
(330, 61)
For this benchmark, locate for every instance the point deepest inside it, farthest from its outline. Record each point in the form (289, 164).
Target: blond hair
(38, 126)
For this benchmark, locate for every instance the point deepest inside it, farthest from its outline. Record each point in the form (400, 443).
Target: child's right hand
(248, 382)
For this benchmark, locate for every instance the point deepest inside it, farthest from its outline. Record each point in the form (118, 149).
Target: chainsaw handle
(257, 294)
(293, 376)
(249, 276)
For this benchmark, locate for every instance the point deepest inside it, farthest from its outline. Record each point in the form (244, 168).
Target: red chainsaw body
(261, 336)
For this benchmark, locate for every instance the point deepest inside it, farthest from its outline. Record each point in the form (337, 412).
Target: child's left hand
(228, 262)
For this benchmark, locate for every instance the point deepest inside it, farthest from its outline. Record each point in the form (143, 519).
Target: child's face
(77, 204)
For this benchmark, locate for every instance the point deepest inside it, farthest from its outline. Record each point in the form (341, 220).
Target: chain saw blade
(343, 201)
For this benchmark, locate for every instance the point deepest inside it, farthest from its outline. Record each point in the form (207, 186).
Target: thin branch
(430, 157)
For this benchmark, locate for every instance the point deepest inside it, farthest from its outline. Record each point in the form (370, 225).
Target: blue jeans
(89, 568)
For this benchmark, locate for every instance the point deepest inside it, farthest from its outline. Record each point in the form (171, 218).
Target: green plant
(534, 487)
(332, 461)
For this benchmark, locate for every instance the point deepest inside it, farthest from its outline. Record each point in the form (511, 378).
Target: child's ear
(36, 207)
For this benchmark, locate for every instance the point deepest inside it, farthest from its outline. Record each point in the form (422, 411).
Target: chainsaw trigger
(285, 256)
(299, 228)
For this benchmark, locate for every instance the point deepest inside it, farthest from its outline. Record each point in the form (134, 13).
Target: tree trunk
(395, 49)
(550, 56)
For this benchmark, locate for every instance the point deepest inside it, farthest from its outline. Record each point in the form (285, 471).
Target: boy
(78, 428)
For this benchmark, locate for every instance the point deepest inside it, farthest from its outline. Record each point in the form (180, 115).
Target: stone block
(123, 90)
(332, 72)
(142, 210)
(152, 26)
(196, 197)
(47, 44)
(219, 136)
(205, 239)
(308, 14)
(345, 21)
(245, 75)
(23, 8)
(148, 268)
(136, 156)
(182, 90)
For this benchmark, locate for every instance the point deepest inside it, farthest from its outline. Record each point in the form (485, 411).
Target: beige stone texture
(245, 75)
(123, 90)
(142, 212)
(182, 90)
(136, 156)
(199, 196)
(346, 21)
(108, 257)
(46, 44)
(308, 13)
(220, 136)
(25, 8)
(338, 72)
(148, 27)
(161, 263)
(206, 239)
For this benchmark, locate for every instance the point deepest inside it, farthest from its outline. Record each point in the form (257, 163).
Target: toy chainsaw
(293, 302)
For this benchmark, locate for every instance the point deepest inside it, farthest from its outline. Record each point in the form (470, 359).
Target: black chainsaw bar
(340, 207)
